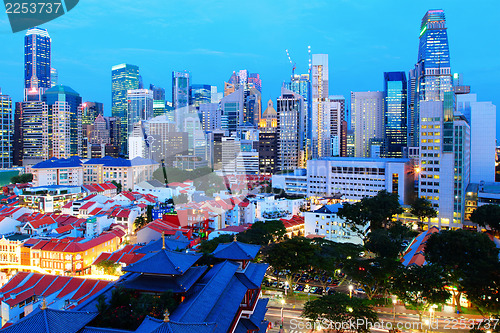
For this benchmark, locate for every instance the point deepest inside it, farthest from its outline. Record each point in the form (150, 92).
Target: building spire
(166, 319)
(44, 304)
(163, 239)
(235, 237)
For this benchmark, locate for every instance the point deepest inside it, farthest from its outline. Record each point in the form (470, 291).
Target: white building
(267, 207)
(293, 183)
(367, 119)
(325, 222)
(320, 106)
(155, 188)
(58, 172)
(356, 178)
(482, 119)
(444, 160)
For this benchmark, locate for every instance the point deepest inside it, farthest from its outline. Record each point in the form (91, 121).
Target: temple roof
(164, 262)
(170, 243)
(236, 251)
(152, 283)
(52, 321)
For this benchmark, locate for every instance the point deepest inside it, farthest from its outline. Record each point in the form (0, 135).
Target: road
(294, 323)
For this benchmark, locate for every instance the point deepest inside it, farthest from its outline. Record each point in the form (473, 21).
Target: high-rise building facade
(124, 77)
(17, 136)
(301, 84)
(33, 133)
(90, 111)
(431, 77)
(62, 121)
(54, 77)
(200, 94)
(367, 114)
(37, 45)
(290, 130)
(320, 106)
(395, 114)
(139, 107)
(5, 131)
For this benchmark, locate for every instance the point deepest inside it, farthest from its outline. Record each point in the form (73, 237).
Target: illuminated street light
(351, 287)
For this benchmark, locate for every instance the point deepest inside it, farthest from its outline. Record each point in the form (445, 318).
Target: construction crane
(294, 65)
(310, 59)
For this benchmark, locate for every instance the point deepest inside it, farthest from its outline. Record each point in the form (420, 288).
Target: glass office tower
(395, 113)
(124, 77)
(37, 59)
(431, 77)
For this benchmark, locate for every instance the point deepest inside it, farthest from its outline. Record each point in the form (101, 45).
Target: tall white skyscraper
(320, 106)
(367, 119)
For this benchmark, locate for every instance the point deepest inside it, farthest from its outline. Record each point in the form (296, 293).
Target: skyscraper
(158, 100)
(395, 113)
(124, 77)
(63, 121)
(301, 84)
(37, 68)
(34, 147)
(367, 114)
(17, 137)
(90, 112)
(290, 130)
(200, 94)
(5, 131)
(140, 107)
(431, 77)
(180, 97)
(54, 77)
(320, 131)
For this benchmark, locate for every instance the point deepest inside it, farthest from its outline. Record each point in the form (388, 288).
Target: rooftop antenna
(294, 65)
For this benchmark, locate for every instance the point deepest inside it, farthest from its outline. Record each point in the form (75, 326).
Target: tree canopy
(422, 208)
(337, 309)
(21, 179)
(487, 215)
(376, 211)
(462, 254)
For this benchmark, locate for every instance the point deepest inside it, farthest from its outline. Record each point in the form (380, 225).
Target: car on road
(274, 284)
(319, 291)
(306, 289)
(300, 287)
(313, 290)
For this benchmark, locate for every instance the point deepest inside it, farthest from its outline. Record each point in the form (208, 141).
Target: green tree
(372, 275)
(375, 211)
(21, 179)
(140, 222)
(291, 256)
(388, 243)
(422, 208)
(334, 310)
(420, 286)
(109, 267)
(209, 246)
(329, 258)
(461, 254)
(118, 186)
(487, 215)
(263, 233)
(149, 213)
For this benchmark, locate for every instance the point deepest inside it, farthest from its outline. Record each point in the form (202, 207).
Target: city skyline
(212, 60)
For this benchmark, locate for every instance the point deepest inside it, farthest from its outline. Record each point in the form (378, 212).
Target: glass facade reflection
(395, 111)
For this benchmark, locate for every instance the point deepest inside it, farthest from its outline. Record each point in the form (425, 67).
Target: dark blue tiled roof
(54, 163)
(152, 325)
(216, 298)
(164, 262)
(53, 321)
(171, 244)
(263, 327)
(152, 283)
(255, 273)
(203, 296)
(90, 329)
(260, 311)
(244, 325)
(236, 251)
(120, 162)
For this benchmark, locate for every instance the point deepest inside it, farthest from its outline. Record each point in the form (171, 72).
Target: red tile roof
(64, 229)
(43, 222)
(87, 205)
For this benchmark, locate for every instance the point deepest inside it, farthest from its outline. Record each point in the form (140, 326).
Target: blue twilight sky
(211, 38)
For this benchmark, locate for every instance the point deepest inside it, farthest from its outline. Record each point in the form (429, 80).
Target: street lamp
(351, 287)
(286, 287)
